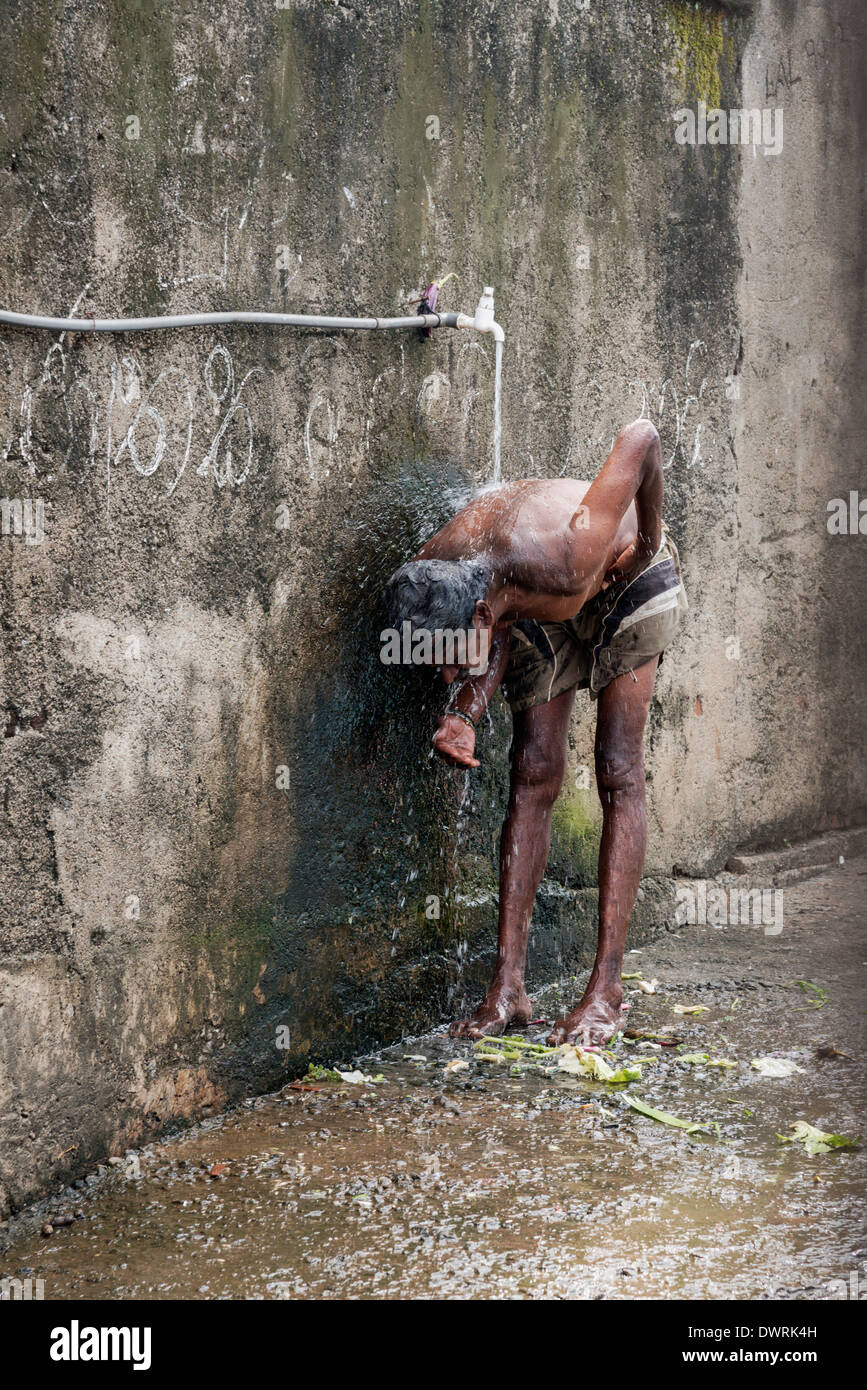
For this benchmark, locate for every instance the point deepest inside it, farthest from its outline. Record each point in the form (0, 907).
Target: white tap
(484, 321)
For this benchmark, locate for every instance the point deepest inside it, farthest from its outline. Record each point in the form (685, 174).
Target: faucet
(484, 321)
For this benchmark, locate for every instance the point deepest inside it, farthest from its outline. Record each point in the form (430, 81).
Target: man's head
(440, 595)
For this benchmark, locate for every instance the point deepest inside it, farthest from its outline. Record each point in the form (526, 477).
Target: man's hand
(455, 741)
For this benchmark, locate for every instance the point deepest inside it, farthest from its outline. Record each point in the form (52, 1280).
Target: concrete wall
(219, 816)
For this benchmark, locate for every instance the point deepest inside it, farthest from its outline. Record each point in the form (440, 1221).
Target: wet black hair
(436, 594)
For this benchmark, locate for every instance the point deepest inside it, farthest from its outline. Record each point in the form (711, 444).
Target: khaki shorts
(616, 631)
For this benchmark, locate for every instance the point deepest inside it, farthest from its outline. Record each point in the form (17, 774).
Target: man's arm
(632, 472)
(454, 739)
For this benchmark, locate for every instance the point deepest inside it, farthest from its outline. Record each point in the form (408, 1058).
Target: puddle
(487, 1183)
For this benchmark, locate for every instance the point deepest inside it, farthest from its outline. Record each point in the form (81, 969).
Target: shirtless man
(578, 586)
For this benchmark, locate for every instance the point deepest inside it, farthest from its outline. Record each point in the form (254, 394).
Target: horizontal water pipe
(482, 323)
(74, 325)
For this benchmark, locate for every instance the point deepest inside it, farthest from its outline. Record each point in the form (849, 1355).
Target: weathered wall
(219, 814)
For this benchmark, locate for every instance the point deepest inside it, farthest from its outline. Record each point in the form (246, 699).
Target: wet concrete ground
(492, 1182)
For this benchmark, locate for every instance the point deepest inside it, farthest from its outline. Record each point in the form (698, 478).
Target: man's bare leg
(620, 722)
(538, 762)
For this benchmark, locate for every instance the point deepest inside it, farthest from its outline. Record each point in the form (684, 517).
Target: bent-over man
(572, 586)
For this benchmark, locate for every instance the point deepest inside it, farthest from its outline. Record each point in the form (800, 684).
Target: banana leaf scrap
(703, 1059)
(664, 1118)
(574, 1060)
(816, 1141)
(664, 1037)
(816, 993)
(776, 1066)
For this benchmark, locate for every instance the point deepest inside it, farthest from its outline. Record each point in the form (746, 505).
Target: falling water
(461, 824)
(464, 808)
(498, 378)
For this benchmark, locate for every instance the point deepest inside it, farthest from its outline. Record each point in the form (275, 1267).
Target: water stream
(498, 382)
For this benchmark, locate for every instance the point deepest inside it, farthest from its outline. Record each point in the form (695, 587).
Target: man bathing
(574, 585)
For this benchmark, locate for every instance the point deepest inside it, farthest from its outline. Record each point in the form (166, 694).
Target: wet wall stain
(228, 822)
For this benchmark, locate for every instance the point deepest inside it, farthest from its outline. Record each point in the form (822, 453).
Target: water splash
(498, 384)
(461, 825)
(453, 884)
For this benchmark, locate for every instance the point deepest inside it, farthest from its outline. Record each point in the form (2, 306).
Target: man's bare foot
(592, 1023)
(501, 1006)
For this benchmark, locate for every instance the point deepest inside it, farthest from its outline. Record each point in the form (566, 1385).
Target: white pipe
(74, 325)
(464, 321)
(484, 317)
(482, 323)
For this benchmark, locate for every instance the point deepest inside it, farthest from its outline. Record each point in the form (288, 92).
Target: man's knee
(619, 772)
(538, 768)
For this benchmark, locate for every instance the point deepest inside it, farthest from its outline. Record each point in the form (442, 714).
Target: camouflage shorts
(616, 631)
